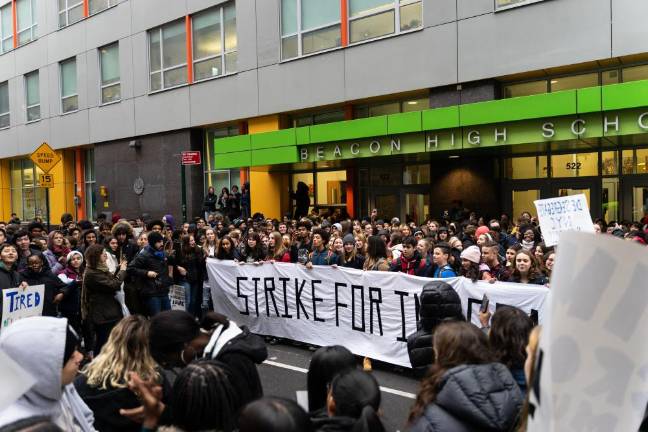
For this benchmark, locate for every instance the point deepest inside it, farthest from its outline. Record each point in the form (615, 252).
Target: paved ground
(285, 373)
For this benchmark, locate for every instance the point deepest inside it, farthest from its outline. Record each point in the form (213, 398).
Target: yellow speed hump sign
(45, 157)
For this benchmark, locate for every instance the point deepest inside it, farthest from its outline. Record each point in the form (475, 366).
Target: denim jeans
(193, 297)
(188, 295)
(155, 305)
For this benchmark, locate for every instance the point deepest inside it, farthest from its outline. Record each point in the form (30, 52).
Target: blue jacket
(325, 257)
(444, 272)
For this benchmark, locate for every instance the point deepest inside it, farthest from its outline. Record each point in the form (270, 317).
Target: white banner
(593, 358)
(371, 313)
(556, 215)
(18, 303)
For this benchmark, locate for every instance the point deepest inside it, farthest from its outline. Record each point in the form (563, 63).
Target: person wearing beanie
(149, 270)
(72, 276)
(351, 258)
(470, 259)
(51, 357)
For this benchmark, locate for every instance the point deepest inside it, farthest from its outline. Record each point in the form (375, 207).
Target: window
(26, 20)
(395, 107)
(168, 56)
(610, 77)
(525, 89)
(96, 6)
(508, 4)
(4, 105)
(6, 28)
(214, 42)
(110, 83)
(635, 161)
(635, 73)
(27, 200)
(574, 165)
(219, 178)
(318, 118)
(309, 26)
(69, 97)
(32, 96)
(70, 11)
(526, 167)
(370, 19)
(574, 82)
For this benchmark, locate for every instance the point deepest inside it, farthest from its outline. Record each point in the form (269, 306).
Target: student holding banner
(527, 269)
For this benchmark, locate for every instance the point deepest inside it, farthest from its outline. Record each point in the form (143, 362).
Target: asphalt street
(284, 374)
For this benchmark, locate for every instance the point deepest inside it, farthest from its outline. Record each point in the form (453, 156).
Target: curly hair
(509, 335)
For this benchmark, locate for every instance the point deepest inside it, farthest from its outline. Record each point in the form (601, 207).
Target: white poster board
(557, 215)
(177, 297)
(18, 303)
(593, 356)
(369, 312)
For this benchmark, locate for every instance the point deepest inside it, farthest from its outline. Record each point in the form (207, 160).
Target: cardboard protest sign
(593, 356)
(18, 303)
(177, 297)
(557, 215)
(371, 313)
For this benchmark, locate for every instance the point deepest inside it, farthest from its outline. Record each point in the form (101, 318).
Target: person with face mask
(51, 357)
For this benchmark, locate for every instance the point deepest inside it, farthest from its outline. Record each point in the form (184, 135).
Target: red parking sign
(191, 158)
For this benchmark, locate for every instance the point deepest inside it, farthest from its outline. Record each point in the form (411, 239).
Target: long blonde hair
(127, 350)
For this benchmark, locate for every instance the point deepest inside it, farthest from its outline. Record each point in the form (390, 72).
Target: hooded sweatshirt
(38, 345)
(241, 351)
(473, 398)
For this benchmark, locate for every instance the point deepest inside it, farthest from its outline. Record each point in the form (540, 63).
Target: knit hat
(471, 254)
(337, 226)
(481, 230)
(71, 255)
(71, 344)
(348, 239)
(154, 237)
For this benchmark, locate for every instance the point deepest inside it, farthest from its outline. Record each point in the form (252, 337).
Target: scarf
(60, 251)
(156, 253)
(410, 265)
(527, 245)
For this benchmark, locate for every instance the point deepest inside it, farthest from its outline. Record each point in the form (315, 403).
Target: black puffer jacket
(473, 398)
(439, 302)
(147, 261)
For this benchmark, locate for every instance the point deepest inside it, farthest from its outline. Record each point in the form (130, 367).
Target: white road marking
(302, 370)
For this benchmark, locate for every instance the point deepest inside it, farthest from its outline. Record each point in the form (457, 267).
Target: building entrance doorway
(635, 197)
(406, 203)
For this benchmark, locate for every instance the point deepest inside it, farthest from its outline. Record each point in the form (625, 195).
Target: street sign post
(191, 158)
(45, 158)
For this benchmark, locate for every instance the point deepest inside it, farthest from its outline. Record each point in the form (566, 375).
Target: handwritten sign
(557, 215)
(18, 303)
(177, 297)
(592, 367)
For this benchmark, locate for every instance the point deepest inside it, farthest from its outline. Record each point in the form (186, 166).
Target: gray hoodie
(37, 344)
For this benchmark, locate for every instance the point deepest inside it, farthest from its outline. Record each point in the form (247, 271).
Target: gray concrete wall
(461, 41)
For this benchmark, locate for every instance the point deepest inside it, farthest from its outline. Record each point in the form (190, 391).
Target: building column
(5, 190)
(268, 190)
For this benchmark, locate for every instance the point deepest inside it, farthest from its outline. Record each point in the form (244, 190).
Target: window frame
(3, 9)
(66, 11)
(111, 3)
(300, 33)
(515, 5)
(223, 51)
(22, 166)
(27, 106)
(396, 5)
(76, 94)
(7, 113)
(31, 28)
(103, 86)
(162, 70)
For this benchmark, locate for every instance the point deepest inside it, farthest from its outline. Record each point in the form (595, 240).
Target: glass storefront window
(331, 187)
(27, 200)
(417, 207)
(574, 82)
(610, 198)
(525, 89)
(635, 161)
(416, 174)
(639, 202)
(574, 165)
(635, 73)
(610, 77)
(529, 167)
(309, 180)
(523, 201)
(386, 176)
(609, 163)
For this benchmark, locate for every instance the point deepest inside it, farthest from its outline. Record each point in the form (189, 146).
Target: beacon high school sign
(582, 127)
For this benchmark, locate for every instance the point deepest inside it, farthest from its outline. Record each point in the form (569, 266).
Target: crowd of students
(108, 354)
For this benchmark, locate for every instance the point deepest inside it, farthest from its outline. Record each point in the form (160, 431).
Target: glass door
(388, 203)
(635, 198)
(417, 205)
(591, 188)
